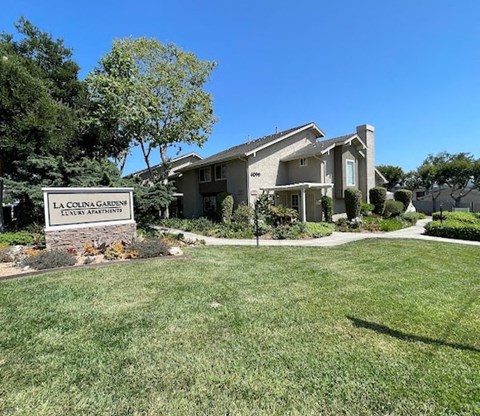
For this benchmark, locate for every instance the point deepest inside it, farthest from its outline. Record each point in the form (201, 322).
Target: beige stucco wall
(192, 200)
(266, 169)
(341, 155)
(237, 180)
(309, 173)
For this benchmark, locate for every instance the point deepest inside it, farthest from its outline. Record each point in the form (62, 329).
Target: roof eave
(313, 126)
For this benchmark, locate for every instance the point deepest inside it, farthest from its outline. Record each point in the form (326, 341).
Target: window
(209, 204)
(205, 174)
(303, 162)
(351, 180)
(220, 172)
(295, 204)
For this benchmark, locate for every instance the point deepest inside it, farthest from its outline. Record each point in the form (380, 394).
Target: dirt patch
(8, 269)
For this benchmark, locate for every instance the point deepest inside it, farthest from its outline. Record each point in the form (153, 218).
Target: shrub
(342, 224)
(404, 196)
(21, 238)
(289, 232)
(264, 202)
(114, 252)
(50, 260)
(149, 248)
(421, 215)
(327, 208)
(319, 229)
(225, 207)
(90, 250)
(392, 208)
(366, 208)
(372, 223)
(391, 224)
(283, 216)
(410, 217)
(353, 202)
(378, 197)
(454, 229)
(243, 216)
(466, 217)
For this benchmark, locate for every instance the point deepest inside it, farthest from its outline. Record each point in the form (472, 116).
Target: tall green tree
(459, 173)
(42, 102)
(152, 96)
(36, 172)
(394, 175)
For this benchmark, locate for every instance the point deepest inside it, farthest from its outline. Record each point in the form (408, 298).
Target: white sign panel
(84, 206)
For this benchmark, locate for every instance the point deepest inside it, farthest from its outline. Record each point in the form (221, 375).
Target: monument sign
(75, 216)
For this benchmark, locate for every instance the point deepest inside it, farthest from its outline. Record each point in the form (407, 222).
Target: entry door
(295, 202)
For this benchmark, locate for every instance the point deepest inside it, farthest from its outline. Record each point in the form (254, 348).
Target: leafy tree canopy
(151, 95)
(394, 175)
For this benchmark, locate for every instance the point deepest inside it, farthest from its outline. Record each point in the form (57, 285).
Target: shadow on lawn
(359, 323)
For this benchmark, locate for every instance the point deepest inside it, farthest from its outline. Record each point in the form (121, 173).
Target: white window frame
(206, 170)
(223, 172)
(303, 162)
(351, 162)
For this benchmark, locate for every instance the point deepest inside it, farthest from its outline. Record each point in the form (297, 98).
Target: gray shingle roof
(244, 148)
(318, 147)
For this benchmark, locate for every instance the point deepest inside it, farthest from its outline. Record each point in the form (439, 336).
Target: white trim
(308, 126)
(298, 186)
(83, 190)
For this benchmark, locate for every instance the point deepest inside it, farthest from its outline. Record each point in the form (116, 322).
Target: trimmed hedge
(225, 207)
(378, 197)
(454, 229)
(404, 196)
(327, 208)
(392, 208)
(21, 238)
(353, 202)
(466, 217)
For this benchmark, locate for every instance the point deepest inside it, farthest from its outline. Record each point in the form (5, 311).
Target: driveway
(336, 239)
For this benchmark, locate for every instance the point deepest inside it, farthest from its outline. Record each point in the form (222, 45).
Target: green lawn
(374, 327)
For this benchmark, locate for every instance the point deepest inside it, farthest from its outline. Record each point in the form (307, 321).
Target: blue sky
(411, 68)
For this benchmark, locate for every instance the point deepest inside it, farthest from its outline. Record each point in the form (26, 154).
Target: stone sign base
(78, 237)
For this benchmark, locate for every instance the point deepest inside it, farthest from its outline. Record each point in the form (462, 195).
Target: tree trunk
(165, 173)
(2, 220)
(2, 223)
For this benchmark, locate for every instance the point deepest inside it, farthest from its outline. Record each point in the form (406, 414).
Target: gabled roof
(174, 163)
(248, 148)
(323, 146)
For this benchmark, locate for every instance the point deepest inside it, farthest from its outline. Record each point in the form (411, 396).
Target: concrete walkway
(336, 239)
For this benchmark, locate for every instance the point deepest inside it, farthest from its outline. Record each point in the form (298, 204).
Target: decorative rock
(175, 251)
(26, 268)
(90, 259)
